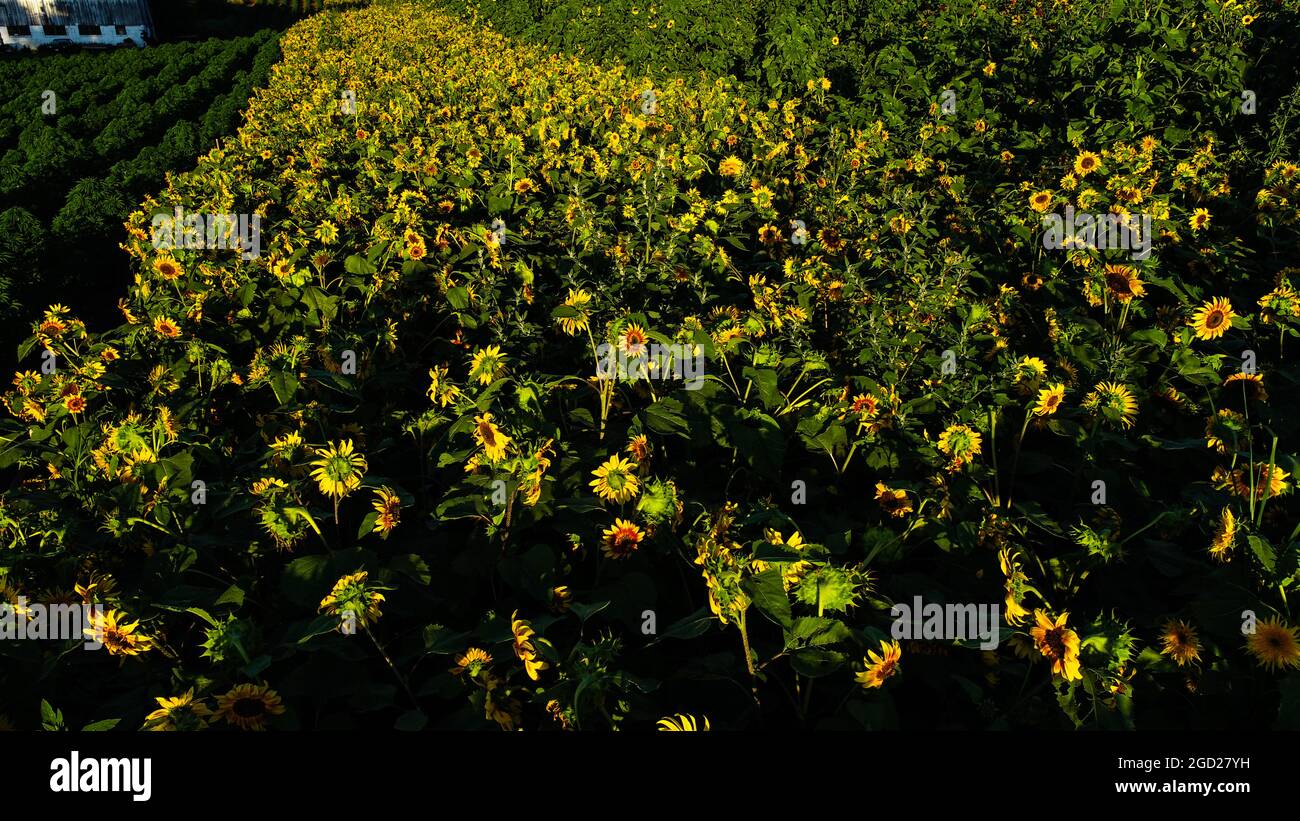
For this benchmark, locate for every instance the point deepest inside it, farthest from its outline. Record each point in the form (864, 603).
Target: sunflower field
(378, 475)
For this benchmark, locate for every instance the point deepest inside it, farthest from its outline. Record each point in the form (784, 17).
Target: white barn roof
(74, 12)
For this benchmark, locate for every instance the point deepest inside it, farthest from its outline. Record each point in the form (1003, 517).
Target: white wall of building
(105, 35)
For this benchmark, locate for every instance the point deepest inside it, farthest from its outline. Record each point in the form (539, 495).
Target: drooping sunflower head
(1225, 535)
(1227, 431)
(579, 319)
(388, 506)
(249, 706)
(1122, 283)
(490, 437)
(339, 468)
(1178, 641)
(354, 601)
(181, 713)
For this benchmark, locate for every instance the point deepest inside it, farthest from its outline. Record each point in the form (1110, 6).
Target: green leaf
(767, 592)
(101, 726)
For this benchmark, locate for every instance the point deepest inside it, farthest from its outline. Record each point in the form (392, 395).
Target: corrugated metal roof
(75, 12)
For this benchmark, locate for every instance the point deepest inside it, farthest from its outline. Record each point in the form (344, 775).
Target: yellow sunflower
(620, 540)
(1057, 642)
(1041, 201)
(490, 437)
(353, 600)
(487, 364)
(1049, 400)
(961, 443)
(616, 480)
(1213, 319)
(1225, 535)
(249, 706)
(1086, 163)
(178, 714)
(118, 637)
(1274, 645)
(1114, 402)
(577, 300)
(472, 661)
(1123, 284)
(388, 507)
(894, 502)
(682, 723)
(731, 167)
(880, 666)
(339, 469)
(1199, 219)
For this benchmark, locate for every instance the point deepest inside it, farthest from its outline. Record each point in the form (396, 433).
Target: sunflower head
(338, 469)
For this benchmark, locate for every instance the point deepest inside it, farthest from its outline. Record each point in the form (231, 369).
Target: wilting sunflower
(472, 661)
(1227, 430)
(490, 437)
(248, 706)
(1123, 284)
(894, 502)
(960, 442)
(1179, 642)
(1274, 645)
(339, 469)
(1086, 163)
(880, 666)
(577, 300)
(731, 167)
(682, 723)
(487, 364)
(1057, 642)
(1199, 219)
(388, 507)
(1049, 400)
(620, 540)
(1041, 201)
(178, 714)
(616, 480)
(353, 600)
(525, 647)
(1225, 535)
(639, 447)
(1113, 401)
(1253, 383)
(119, 638)
(1268, 482)
(1213, 319)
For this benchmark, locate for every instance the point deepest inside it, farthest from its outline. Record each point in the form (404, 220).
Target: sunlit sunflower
(682, 723)
(1268, 482)
(490, 437)
(894, 502)
(1179, 642)
(339, 469)
(388, 508)
(167, 268)
(1274, 645)
(487, 364)
(1057, 642)
(577, 300)
(75, 403)
(620, 540)
(1086, 163)
(1041, 201)
(1227, 430)
(166, 328)
(1225, 535)
(181, 713)
(1253, 383)
(880, 666)
(639, 447)
(616, 480)
(472, 661)
(961, 443)
(1049, 400)
(731, 167)
(1016, 586)
(525, 647)
(1123, 284)
(1213, 319)
(354, 601)
(249, 706)
(119, 638)
(1199, 219)
(1114, 402)
(633, 340)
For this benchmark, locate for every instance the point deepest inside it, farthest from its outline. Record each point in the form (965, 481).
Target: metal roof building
(33, 23)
